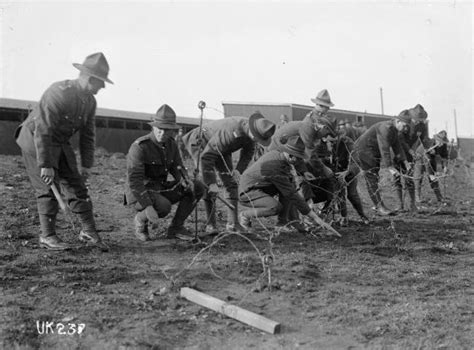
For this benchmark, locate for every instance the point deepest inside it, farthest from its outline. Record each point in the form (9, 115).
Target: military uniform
(415, 136)
(44, 138)
(429, 163)
(219, 140)
(372, 152)
(266, 178)
(149, 163)
(304, 129)
(337, 158)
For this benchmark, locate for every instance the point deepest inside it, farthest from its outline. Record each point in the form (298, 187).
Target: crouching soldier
(372, 152)
(212, 149)
(438, 148)
(271, 176)
(65, 108)
(150, 160)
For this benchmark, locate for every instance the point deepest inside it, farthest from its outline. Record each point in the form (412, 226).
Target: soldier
(414, 140)
(438, 147)
(179, 141)
(283, 120)
(65, 108)
(316, 125)
(336, 153)
(214, 144)
(372, 152)
(149, 161)
(271, 176)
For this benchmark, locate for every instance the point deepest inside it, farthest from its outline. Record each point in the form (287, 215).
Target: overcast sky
(182, 52)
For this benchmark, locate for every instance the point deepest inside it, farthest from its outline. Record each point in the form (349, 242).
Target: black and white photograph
(236, 174)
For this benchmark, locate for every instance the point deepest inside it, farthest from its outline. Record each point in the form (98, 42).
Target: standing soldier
(65, 108)
(215, 144)
(372, 152)
(149, 161)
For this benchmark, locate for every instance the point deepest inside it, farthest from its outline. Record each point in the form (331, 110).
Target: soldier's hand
(327, 172)
(151, 214)
(213, 189)
(86, 174)
(393, 171)
(408, 165)
(341, 176)
(47, 174)
(236, 176)
(308, 176)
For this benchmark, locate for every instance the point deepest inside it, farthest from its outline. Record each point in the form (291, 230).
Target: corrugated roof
(101, 112)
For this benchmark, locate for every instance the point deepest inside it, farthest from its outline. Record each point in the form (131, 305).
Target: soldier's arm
(383, 141)
(209, 156)
(246, 154)
(176, 161)
(51, 107)
(307, 132)
(288, 189)
(87, 139)
(136, 175)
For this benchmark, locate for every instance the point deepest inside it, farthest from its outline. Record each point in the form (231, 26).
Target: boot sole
(48, 247)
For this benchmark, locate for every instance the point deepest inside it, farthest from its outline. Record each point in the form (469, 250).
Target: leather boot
(47, 225)
(399, 194)
(411, 193)
(233, 224)
(209, 205)
(381, 208)
(417, 184)
(141, 226)
(53, 243)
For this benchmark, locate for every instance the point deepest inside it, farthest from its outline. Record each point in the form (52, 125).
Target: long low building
(115, 129)
(294, 111)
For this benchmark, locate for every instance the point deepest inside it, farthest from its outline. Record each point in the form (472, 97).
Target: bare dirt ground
(404, 282)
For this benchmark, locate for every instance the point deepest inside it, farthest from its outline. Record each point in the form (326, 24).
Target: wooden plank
(230, 310)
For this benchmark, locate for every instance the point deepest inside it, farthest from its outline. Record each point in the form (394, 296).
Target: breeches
(260, 204)
(67, 180)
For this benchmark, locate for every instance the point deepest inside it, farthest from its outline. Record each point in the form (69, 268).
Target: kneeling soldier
(271, 176)
(150, 159)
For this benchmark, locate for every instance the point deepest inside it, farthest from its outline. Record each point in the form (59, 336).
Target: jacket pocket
(155, 170)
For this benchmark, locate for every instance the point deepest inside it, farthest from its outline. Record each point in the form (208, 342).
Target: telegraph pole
(456, 127)
(381, 99)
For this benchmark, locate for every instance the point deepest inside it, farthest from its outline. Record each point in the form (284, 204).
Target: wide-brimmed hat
(418, 112)
(293, 145)
(262, 129)
(441, 139)
(405, 116)
(96, 66)
(323, 99)
(165, 118)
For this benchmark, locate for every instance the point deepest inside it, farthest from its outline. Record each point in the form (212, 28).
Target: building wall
(113, 134)
(296, 112)
(466, 146)
(270, 112)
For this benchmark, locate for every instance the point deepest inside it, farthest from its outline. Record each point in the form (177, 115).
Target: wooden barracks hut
(294, 111)
(115, 129)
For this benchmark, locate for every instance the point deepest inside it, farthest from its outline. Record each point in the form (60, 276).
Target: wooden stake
(232, 311)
